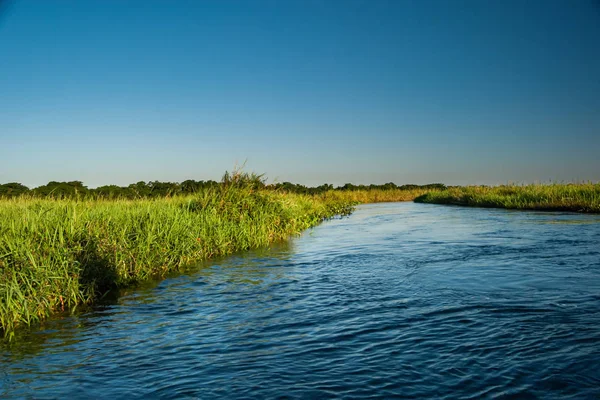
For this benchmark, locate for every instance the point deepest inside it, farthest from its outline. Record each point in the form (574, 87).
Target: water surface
(398, 300)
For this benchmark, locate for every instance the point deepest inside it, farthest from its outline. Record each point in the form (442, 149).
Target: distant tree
(61, 189)
(190, 186)
(347, 186)
(323, 188)
(13, 189)
(408, 187)
(389, 186)
(439, 186)
(140, 189)
(162, 189)
(143, 189)
(111, 192)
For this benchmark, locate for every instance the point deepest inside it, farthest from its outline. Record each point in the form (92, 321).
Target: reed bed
(58, 254)
(374, 195)
(551, 197)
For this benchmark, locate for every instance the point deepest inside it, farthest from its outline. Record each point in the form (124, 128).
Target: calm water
(398, 300)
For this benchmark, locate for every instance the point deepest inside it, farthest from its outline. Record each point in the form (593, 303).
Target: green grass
(552, 197)
(57, 254)
(374, 195)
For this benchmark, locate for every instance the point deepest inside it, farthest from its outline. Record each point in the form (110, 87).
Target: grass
(373, 195)
(58, 254)
(553, 197)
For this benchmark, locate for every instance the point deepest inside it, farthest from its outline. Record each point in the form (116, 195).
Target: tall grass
(57, 254)
(553, 197)
(374, 195)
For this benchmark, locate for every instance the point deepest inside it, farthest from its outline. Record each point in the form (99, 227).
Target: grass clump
(553, 197)
(58, 253)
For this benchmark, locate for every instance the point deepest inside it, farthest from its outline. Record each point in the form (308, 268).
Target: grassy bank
(554, 197)
(374, 195)
(56, 254)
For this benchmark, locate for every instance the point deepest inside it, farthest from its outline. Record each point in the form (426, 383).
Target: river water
(398, 300)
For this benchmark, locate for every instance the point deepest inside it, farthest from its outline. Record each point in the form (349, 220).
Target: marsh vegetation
(584, 197)
(65, 245)
(59, 251)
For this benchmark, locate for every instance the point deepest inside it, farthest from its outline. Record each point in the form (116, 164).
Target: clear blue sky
(310, 91)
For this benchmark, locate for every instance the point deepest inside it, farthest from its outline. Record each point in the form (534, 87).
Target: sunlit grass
(552, 197)
(374, 195)
(57, 254)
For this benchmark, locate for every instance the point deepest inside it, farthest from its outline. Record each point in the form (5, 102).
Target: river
(397, 300)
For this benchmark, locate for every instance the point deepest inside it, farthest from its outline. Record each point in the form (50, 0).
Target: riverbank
(553, 197)
(57, 254)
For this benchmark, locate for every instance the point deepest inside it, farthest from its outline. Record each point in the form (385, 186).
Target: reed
(374, 195)
(583, 197)
(58, 254)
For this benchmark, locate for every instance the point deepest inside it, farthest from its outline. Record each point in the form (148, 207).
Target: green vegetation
(553, 197)
(349, 187)
(58, 253)
(63, 245)
(156, 189)
(137, 190)
(374, 195)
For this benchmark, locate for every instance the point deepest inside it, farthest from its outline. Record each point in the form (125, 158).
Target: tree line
(165, 189)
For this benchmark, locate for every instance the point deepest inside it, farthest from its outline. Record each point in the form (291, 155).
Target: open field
(553, 197)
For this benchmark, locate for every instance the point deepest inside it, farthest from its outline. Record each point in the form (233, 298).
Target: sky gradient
(459, 92)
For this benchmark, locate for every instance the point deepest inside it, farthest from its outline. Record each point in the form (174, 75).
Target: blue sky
(311, 91)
